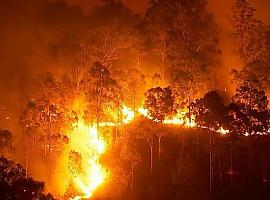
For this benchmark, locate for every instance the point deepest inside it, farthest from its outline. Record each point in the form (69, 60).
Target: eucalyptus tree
(102, 93)
(160, 105)
(209, 112)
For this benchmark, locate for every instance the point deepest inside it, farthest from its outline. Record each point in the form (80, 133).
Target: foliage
(104, 94)
(160, 103)
(14, 185)
(249, 112)
(209, 111)
(245, 27)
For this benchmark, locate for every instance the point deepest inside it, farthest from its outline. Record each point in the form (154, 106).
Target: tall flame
(85, 172)
(86, 140)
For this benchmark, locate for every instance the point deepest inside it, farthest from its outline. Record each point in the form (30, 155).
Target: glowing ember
(223, 131)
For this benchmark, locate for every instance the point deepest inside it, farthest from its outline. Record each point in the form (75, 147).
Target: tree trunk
(132, 177)
(138, 56)
(197, 146)
(210, 164)
(159, 146)
(151, 159)
(27, 157)
(219, 170)
(134, 103)
(45, 147)
(231, 168)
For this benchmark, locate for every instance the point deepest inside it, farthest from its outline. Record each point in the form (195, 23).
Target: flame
(178, 119)
(181, 122)
(86, 141)
(223, 131)
(144, 112)
(128, 114)
(90, 145)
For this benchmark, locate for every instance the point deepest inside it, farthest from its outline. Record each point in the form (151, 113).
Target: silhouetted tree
(249, 113)
(15, 186)
(210, 112)
(160, 104)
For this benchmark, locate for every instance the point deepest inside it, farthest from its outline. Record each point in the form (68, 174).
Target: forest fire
(90, 175)
(86, 140)
(112, 103)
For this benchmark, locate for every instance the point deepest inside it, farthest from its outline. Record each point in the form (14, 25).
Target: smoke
(33, 32)
(221, 11)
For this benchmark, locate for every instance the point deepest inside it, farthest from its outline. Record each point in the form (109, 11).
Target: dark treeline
(164, 61)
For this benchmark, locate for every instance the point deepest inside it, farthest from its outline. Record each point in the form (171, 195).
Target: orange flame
(87, 141)
(91, 146)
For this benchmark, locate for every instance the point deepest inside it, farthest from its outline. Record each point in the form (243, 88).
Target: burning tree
(104, 92)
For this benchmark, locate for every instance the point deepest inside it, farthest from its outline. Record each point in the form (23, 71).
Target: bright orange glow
(128, 114)
(86, 141)
(178, 119)
(223, 131)
(183, 121)
(143, 112)
(83, 171)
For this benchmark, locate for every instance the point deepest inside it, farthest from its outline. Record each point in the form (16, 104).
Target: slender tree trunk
(210, 164)
(138, 56)
(151, 159)
(159, 146)
(27, 157)
(231, 168)
(197, 146)
(118, 123)
(219, 170)
(45, 147)
(132, 177)
(189, 111)
(134, 103)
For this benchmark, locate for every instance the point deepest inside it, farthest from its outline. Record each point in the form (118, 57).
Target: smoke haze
(33, 31)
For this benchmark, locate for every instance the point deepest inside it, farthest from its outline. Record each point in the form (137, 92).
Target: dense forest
(128, 106)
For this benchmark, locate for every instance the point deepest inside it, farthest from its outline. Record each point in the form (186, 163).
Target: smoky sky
(29, 27)
(32, 30)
